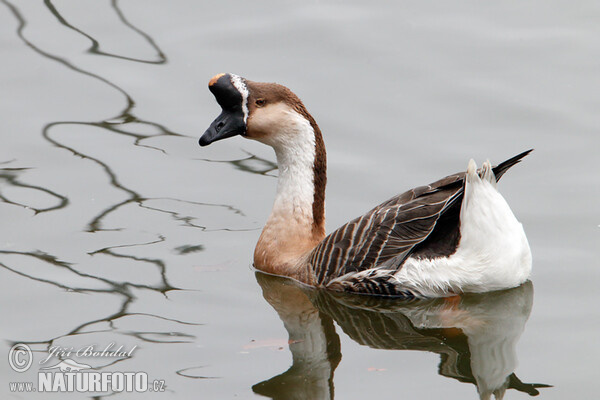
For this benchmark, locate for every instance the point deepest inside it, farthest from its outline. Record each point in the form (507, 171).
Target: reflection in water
(9, 176)
(122, 289)
(95, 47)
(474, 334)
(125, 124)
(314, 344)
(112, 125)
(252, 164)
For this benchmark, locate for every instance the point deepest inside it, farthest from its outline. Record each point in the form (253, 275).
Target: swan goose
(454, 235)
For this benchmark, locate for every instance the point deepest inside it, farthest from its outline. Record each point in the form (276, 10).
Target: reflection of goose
(455, 235)
(314, 345)
(475, 335)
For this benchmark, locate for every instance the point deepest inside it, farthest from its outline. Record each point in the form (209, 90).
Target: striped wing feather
(387, 234)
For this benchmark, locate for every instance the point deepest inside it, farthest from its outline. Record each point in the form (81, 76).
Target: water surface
(118, 228)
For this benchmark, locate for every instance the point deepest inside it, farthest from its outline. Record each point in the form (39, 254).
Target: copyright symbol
(20, 357)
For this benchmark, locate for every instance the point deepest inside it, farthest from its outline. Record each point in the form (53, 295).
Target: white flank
(493, 251)
(239, 84)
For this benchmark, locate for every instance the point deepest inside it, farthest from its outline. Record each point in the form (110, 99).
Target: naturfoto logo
(68, 375)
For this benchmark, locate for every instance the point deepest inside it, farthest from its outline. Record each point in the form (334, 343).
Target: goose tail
(501, 168)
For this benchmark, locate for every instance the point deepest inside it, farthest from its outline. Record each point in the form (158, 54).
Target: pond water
(117, 228)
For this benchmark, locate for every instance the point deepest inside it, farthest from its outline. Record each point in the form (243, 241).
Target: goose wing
(386, 235)
(423, 222)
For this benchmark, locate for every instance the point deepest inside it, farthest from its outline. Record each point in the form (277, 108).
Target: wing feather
(385, 236)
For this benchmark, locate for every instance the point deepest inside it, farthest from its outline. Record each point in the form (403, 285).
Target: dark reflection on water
(110, 125)
(474, 334)
(113, 125)
(95, 47)
(9, 176)
(114, 287)
(252, 164)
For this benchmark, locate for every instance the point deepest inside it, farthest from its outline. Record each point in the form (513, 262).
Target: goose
(453, 236)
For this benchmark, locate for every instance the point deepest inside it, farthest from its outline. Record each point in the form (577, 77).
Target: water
(118, 228)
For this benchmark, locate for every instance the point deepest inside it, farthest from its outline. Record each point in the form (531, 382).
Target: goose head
(266, 112)
(270, 113)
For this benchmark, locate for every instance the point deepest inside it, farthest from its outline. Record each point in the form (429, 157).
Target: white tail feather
(487, 174)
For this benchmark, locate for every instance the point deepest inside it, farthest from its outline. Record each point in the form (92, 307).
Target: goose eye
(260, 102)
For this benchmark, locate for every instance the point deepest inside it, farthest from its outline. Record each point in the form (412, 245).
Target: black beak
(228, 124)
(232, 120)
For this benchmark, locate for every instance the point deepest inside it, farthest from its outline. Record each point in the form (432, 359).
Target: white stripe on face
(238, 83)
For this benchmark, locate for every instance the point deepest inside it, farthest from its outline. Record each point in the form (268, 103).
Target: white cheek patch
(238, 83)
